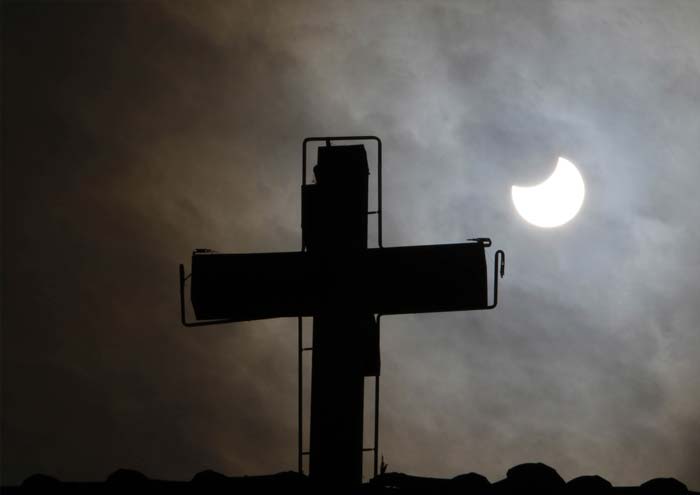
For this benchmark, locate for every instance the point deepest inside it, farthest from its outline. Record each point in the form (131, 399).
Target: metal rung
(368, 449)
(307, 348)
(305, 453)
(372, 212)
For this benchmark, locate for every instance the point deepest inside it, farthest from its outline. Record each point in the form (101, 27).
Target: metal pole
(300, 396)
(376, 406)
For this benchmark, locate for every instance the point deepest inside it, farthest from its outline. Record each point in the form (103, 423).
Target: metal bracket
(499, 268)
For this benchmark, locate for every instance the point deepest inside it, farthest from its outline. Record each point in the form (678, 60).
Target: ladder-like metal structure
(301, 453)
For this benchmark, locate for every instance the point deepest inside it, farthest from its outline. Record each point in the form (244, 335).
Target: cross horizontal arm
(413, 279)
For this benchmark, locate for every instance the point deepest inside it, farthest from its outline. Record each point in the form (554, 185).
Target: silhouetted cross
(345, 287)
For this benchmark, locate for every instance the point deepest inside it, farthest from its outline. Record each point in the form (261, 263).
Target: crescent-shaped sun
(553, 202)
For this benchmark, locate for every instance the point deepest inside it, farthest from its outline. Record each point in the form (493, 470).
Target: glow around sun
(553, 202)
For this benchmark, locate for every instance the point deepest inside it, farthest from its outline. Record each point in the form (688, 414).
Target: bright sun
(553, 202)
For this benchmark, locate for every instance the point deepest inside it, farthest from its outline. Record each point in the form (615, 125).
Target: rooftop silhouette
(525, 479)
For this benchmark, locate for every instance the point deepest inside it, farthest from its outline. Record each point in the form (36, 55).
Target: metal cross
(346, 288)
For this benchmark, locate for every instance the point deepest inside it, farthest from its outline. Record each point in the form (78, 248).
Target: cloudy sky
(133, 132)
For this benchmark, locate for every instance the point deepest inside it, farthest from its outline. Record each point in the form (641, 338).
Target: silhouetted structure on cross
(346, 287)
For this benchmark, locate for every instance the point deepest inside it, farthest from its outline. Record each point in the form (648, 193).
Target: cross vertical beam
(334, 224)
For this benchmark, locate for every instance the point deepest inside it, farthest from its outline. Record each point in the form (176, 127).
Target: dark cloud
(134, 132)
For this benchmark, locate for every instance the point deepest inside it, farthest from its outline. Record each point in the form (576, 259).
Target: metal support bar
(376, 407)
(300, 398)
(498, 269)
(375, 449)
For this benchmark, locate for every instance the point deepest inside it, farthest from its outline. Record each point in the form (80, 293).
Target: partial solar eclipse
(553, 202)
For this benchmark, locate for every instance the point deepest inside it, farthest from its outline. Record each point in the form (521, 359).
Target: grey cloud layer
(165, 127)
